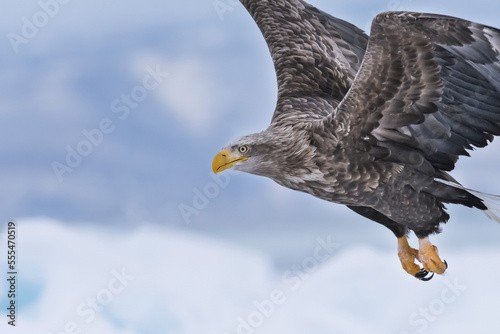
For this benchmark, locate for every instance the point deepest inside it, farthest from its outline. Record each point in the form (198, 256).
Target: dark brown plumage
(376, 130)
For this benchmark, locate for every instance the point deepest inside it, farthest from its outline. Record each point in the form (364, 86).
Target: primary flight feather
(376, 123)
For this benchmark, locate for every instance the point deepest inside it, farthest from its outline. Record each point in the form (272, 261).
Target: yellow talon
(429, 257)
(407, 256)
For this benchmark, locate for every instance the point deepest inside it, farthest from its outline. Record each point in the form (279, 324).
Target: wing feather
(428, 90)
(314, 54)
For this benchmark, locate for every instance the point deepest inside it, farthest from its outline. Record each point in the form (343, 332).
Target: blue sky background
(220, 85)
(155, 160)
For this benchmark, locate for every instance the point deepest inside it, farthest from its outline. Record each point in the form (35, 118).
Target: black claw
(421, 274)
(445, 263)
(425, 279)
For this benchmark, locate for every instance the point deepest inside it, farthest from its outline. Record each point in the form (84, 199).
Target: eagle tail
(489, 204)
(492, 203)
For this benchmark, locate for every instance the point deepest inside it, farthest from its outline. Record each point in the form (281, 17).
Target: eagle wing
(314, 54)
(428, 91)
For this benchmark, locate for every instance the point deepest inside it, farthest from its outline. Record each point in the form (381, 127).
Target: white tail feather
(492, 202)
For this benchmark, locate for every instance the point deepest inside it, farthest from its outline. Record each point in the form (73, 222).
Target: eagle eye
(243, 149)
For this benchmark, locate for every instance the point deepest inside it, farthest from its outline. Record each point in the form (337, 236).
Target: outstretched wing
(314, 54)
(428, 91)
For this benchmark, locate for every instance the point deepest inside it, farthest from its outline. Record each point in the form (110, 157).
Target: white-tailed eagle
(376, 123)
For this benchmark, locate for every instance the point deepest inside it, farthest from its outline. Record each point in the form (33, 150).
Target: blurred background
(110, 115)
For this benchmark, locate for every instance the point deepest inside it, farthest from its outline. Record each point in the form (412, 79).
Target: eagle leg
(428, 256)
(407, 256)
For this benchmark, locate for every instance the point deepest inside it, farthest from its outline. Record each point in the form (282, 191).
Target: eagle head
(254, 153)
(269, 153)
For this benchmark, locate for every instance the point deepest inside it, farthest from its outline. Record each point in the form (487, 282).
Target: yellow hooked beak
(225, 160)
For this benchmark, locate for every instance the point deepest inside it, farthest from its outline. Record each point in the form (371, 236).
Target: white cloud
(174, 282)
(187, 93)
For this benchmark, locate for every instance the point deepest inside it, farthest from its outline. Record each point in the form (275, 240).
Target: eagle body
(376, 123)
(336, 174)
